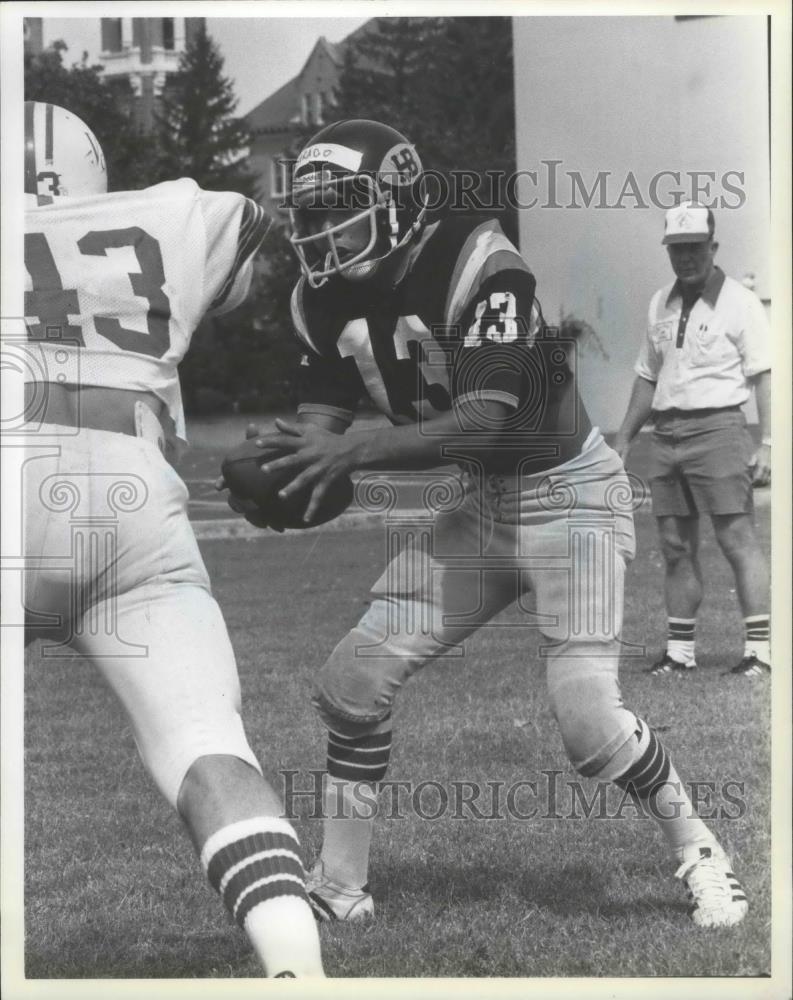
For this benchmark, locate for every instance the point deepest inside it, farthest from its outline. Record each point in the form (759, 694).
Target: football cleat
(331, 901)
(669, 665)
(716, 897)
(750, 666)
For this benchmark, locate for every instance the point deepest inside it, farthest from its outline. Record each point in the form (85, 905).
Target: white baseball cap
(688, 222)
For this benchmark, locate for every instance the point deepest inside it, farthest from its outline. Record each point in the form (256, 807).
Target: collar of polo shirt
(710, 291)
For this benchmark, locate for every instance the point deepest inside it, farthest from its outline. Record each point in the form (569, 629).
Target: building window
(168, 33)
(316, 108)
(304, 109)
(111, 34)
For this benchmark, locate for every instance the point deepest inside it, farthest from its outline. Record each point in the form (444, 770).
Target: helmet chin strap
(393, 224)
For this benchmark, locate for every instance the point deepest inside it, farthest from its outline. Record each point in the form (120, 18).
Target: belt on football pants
(119, 411)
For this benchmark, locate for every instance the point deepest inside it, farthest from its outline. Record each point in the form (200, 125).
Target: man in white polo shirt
(707, 346)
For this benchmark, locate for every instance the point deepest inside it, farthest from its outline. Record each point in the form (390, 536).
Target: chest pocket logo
(661, 334)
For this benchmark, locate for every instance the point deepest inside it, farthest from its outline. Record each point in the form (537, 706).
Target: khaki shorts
(700, 464)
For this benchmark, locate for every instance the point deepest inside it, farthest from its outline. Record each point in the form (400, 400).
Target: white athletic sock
(680, 639)
(355, 766)
(652, 778)
(757, 630)
(347, 835)
(255, 866)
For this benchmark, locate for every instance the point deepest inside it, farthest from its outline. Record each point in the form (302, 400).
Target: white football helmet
(62, 155)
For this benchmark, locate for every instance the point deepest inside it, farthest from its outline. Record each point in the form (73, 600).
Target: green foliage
(106, 106)
(247, 359)
(573, 328)
(198, 135)
(447, 83)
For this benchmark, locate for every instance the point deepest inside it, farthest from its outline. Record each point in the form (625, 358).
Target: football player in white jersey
(436, 319)
(116, 285)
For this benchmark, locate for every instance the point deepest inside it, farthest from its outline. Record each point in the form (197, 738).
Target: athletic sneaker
(716, 897)
(331, 901)
(750, 666)
(669, 665)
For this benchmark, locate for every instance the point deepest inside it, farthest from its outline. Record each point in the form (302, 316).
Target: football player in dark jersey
(437, 321)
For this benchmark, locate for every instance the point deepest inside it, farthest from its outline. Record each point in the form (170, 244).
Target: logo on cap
(687, 223)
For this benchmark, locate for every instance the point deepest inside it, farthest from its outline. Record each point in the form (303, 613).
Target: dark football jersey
(463, 326)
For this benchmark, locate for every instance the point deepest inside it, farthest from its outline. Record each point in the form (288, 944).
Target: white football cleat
(331, 901)
(716, 897)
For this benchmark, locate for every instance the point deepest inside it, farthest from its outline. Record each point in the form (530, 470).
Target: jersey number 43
(53, 305)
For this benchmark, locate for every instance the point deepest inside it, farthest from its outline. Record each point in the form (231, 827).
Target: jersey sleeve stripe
(299, 317)
(48, 134)
(30, 149)
(253, 227)
(497, 395)
(326, 410)
(475, 265)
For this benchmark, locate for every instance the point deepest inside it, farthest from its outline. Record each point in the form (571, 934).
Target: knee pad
(585, 698)
(352, 693)
(358, 683)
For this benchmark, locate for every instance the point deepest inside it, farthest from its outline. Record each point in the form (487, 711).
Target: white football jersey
(117, 283)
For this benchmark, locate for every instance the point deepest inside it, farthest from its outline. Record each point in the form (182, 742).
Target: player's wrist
(357, 453)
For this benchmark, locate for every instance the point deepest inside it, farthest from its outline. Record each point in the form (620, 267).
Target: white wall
(640, 94)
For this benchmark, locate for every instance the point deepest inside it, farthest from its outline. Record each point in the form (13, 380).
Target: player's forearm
(762, 395)
(423, 446)
(639, 409)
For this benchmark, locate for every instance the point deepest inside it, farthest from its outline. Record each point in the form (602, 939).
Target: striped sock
(255, 866)
(359, 758)
(680, 639)
(355, 765)
(653, 780)
(757, 629)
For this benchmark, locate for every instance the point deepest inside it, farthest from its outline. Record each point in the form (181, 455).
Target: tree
(198, 135)
(106, 106)
(447, 83)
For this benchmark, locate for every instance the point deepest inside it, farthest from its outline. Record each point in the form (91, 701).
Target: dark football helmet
(350, 171)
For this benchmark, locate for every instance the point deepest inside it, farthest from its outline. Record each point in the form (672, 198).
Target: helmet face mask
(314, 234)
(349, 172)
(62, 155)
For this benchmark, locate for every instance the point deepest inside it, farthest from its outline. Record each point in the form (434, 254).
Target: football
(242, 472)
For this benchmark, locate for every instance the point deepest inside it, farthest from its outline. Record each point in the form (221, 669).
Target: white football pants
(113, 572)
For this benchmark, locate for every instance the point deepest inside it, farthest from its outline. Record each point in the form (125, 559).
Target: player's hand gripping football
(248, 508)
(319, 458)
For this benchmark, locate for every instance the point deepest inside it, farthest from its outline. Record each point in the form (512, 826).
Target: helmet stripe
(30, 149)
(48, 135)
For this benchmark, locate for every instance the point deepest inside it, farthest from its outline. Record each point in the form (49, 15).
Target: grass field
(113, 889)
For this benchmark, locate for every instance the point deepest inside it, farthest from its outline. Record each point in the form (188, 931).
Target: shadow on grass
(91, 953)
(570, 891)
